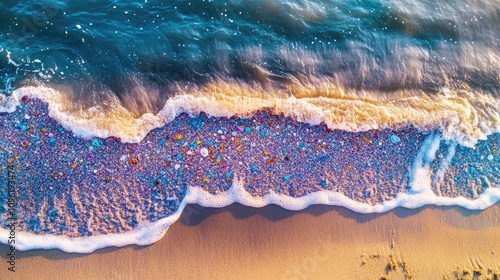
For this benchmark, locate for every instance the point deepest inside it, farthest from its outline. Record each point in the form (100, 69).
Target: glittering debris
(204, 152)
(395, 139)
(96, 143)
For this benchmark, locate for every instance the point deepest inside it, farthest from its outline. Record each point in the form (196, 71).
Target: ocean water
(125, 69)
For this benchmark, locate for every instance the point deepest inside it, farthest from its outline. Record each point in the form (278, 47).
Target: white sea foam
(148, 233)
(460, 116)
(420, 177)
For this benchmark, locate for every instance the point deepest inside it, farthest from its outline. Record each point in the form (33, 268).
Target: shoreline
(426, 243)
(149, 233)
(136, 190)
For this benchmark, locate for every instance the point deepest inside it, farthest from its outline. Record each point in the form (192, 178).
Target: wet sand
(321, 242)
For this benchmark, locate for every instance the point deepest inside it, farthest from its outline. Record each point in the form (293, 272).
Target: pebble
(490, 157)
(218, 159)
(395, 139)
(178, 136)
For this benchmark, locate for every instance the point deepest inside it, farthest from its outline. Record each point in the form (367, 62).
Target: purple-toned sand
(69, 186)
(471, 170)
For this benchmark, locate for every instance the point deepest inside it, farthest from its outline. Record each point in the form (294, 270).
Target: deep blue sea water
(96, 48)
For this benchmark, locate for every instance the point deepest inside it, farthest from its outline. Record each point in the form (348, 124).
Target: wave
(461, 116)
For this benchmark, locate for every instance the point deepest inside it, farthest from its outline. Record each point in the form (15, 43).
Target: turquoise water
(100, 48)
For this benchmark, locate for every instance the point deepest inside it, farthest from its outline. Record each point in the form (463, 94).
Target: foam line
(420, 178)
(444, 165)
(148, 233)
(463, 117)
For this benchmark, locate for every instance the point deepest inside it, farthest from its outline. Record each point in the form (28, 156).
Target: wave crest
(461, 116)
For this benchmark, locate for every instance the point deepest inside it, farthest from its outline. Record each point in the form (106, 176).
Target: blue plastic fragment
(179, 156)
(96, 143)
(323, 183)
(253, 168)
(395, 139)
(248, 129)
(287, 177)
(228, 174)
(263, 133)
(52, 140)
(323, 158)
(35, 138)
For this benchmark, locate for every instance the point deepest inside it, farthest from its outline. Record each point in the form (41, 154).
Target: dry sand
(321, 242)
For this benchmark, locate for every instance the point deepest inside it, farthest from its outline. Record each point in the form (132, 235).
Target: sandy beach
(321, 242)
